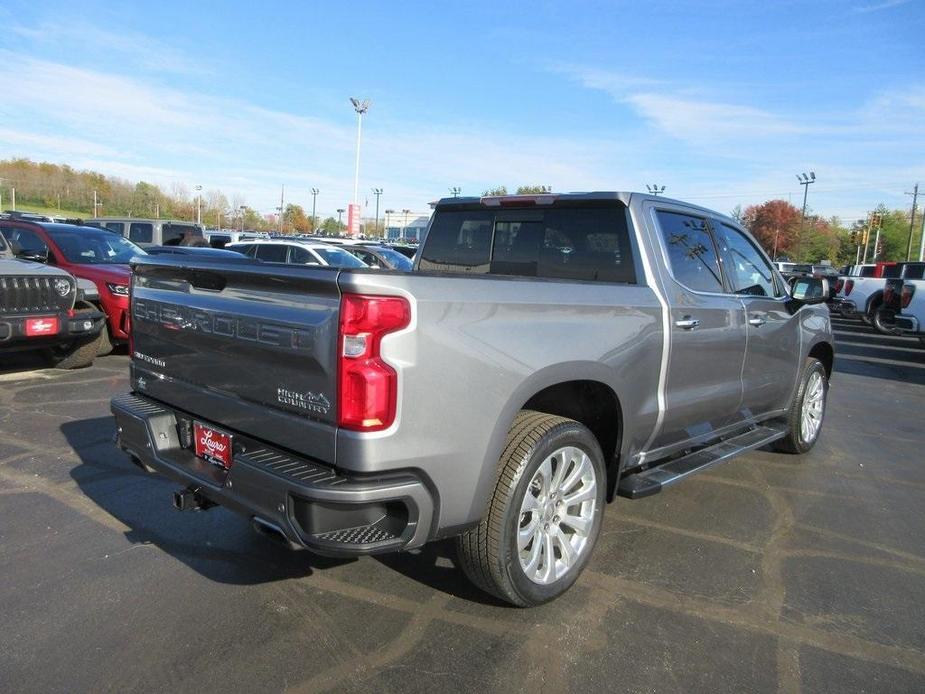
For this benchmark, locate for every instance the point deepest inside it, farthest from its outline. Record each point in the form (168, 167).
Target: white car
(297, 252)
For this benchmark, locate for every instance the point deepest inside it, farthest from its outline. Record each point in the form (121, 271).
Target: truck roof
(541, 199)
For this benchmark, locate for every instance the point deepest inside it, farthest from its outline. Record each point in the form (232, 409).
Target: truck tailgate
(249, 345)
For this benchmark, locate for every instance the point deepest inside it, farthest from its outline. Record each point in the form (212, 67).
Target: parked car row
(873, 293)
(95, 256)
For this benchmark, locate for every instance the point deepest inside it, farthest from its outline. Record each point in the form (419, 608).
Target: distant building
(412, 230)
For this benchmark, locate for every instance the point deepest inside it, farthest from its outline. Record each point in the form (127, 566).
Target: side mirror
(34, 255)
(811, 290)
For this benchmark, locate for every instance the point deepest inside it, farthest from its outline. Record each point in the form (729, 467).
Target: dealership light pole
(377, 192)
(805, 181)
(655, 189)
(198, 204)
(360, 107)
(387, 213)
(340, 213)
(455, 190)
(314, 200)
(243, 209)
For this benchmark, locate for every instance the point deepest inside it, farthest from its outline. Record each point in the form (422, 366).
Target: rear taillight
(888, 295)
(908, 291)
(849, 285)
(839, 284)
(368, 387)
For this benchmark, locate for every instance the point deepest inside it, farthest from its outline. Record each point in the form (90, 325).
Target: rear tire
(804, 420)
(544, 515)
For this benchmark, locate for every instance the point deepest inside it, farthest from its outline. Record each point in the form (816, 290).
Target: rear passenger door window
(272, 253)
(691, 251)
(301, 256)
(141, 233)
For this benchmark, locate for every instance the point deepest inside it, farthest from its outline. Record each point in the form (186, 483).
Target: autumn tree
(775, 224)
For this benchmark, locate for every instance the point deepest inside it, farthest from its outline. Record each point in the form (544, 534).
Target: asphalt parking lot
(769, 573)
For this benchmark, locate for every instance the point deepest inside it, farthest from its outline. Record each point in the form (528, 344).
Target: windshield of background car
(396, 259)
(589, 243)
(335, 257)
(94, 247)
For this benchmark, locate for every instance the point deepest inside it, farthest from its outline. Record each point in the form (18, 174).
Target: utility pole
(776, 235)
(314, 200)
(377, 192)
(655, 189)
(94, 204)
(922, 241)
(915, 198)
(13, 196)
(805, 181)
(198, 204)
(340, 213)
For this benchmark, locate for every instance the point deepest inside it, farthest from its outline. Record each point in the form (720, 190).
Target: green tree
(500, 190)
(331, 227)
(533, 190)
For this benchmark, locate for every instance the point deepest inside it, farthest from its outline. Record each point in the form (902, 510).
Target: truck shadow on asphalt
(862, 351)
(218, 544)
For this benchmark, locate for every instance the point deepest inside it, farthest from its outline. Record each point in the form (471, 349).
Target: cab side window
(691, 251)
(746, 268)
(141, 233)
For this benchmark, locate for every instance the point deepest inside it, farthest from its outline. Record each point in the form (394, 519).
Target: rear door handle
(687, 323)
(756, 321)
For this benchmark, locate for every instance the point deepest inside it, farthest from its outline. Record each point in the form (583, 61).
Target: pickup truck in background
(546, 354)
(43, 310)
(860, 293)
(904, 302)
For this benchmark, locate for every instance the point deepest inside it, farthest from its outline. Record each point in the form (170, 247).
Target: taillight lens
(839, 284)
(849, 285)
(888, 295)
(908, 291)
(368, 387)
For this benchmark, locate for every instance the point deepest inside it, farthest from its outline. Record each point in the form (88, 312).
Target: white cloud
(876, 7)
(137, 50)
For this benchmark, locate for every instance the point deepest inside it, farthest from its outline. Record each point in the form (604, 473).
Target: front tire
(804, 420)
(545, 513)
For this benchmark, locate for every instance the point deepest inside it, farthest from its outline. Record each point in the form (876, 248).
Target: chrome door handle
(687, 323)
(756, 321)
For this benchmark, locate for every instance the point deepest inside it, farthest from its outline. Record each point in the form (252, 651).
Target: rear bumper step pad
(313, 505)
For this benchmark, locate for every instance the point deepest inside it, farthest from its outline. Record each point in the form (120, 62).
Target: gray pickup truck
(44, 309)
(546, 354)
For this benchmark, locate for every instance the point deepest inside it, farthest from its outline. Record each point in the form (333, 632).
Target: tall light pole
(340, 213)
(198, 204)
(243, 209)
(1, 193)
(315, 192)
(95, 213)
(387, 213)
(655, 189)
(805, 181)
(360, 107)
(377, 192)
(405, 228)
(455, 190)
(282, 209)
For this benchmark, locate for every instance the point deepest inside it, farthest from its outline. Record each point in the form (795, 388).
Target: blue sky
(722, 102)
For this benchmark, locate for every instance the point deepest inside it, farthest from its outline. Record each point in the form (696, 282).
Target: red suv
(97, 255)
